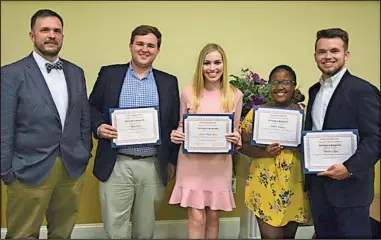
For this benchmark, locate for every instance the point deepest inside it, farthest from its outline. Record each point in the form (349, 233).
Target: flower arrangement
(255, 89)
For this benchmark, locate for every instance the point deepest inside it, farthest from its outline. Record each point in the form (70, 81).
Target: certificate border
(158, 142)
(255, 108)
(304, 133)
(230, 115)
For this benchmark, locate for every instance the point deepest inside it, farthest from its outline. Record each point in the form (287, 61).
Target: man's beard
(48, 53)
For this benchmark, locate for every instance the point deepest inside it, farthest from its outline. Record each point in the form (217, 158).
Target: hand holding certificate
(277, 125)
(206, 133)
(322, 149)
(135, 126)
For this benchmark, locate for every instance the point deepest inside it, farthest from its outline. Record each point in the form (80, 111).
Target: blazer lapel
(41, 86)
(117, 84)
(314, 92)
(336, 99)
(69, 77)
(161, 90)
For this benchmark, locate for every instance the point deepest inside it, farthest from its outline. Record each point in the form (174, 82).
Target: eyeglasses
(284, 83)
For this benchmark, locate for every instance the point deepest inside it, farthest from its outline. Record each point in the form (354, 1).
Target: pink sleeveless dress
(205, 179)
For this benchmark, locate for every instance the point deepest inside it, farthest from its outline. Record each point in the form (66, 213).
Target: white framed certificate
(135, 126)
(205, 133)
(277, 125)
(322, 149)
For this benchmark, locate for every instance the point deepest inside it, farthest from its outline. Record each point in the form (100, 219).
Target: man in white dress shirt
(45, 135)
(341, 195)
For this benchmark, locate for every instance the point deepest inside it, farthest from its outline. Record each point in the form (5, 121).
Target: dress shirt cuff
(98, 135)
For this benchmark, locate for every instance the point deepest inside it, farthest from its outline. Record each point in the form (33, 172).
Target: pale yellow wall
(258, 35)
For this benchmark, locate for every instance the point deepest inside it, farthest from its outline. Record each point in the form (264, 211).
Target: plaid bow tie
(58, 65)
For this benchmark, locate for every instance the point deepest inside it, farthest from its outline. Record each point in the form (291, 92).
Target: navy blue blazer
(105, 95)
(355, 104)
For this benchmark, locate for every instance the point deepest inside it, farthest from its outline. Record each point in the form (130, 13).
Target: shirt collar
(147, 75)
(41, 61)
(334, 80)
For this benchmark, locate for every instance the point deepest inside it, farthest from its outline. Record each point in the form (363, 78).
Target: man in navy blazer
(340, 196)
(45, 135)
(132, 178)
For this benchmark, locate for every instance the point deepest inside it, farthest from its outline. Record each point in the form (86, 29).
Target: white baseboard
(169, 229)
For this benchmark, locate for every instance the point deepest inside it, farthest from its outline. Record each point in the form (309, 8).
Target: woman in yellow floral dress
(274, 187)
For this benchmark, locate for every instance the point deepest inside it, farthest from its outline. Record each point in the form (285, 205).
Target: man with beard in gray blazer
(45, 135)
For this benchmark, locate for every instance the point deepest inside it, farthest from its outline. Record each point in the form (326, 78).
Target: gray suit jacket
(31, 130)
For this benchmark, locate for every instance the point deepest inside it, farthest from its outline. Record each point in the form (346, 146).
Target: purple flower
(255, 101)
(254, 76)
(261, 81)
(258, 80)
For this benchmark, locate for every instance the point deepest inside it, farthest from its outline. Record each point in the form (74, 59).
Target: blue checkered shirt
(138, 93)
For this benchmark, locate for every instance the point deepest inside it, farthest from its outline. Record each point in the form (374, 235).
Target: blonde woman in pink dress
(203, 181)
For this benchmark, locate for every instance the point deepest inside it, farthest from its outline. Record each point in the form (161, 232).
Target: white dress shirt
(323, 97)
(57, 86)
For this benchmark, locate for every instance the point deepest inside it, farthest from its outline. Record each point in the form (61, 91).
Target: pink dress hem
(199, 199)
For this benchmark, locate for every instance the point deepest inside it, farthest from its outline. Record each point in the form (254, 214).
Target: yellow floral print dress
(274, 186)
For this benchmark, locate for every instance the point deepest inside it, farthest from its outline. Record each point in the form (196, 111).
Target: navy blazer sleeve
(367, 112)
(96, 102)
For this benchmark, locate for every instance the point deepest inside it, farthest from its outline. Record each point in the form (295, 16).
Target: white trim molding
(166, 229)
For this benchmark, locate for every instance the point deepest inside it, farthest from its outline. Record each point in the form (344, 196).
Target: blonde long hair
(227, 90)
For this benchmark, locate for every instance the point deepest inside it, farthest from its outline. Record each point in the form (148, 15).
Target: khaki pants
(135, 190)
(57, 198)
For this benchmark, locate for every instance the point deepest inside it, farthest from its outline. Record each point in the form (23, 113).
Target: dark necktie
(58, 65)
